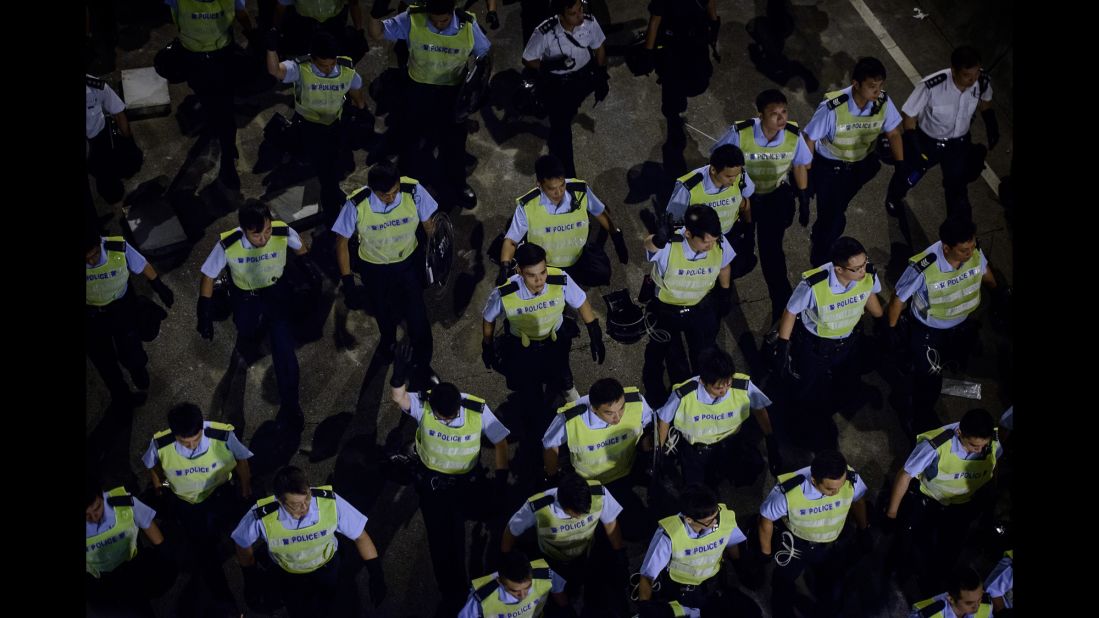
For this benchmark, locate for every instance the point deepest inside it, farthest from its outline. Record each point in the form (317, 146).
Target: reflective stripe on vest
(566, 539)
(106, 551)
(205, 26)
(768, 165)
(389, 237)
(451, 450)
(605, 454)
(726, 202)
(820, 520)
(107, 283)
(693, 561)
(534, 319)
(686, 282)
(954, 294)
(709, 423)
(320, 10)
(193, 480)
(984, 611)
(320, 99)
(835, 315)
(956, 479)
(303, 550)
(855, 135)
(485, 589)
(258, 267)
(434, 58)
(562, 235)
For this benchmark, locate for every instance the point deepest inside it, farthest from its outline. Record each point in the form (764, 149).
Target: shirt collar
(761, 139)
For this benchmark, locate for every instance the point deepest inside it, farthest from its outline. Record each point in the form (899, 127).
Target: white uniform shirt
(943, 111)
(554, 42)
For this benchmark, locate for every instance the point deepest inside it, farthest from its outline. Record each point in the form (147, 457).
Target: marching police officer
(440, 40)
(774, 151)
(964, 598)
(554, 215)
(320, 87)
(686, 266)
(255, 253)
(707, 412)
(206, 35)
(937, 495)
(520, 588)
(449, 478)
(568, 53)
(534, 350)
(811, 506)
(299, 525)
(110, 330)
(815, 344)
(99, 98)
(386, 215)
(115, 580)
(724, 186)
(943, 285)
(937, 116)
(196, 459)
(842, 135)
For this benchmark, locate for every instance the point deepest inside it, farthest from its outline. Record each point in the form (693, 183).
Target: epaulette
(322, 493)
(93, 82)
(344, 61)
(934, 80)
(531, 195)
(547, 26)
(686, 389)
(541, 503)
(791, 483)
(743, 124)
(816, 277)
(927, 260)
(840, 100)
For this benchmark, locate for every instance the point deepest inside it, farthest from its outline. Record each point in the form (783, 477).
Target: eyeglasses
(712, 523)
(858, 269)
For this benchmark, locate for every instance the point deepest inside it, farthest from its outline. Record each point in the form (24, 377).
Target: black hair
(698, 501)
(868, 68)
(185, 420)
(445, 399)
(715, 365)
(548, 166)
(965, 57)
(573, 492)
(956, 230)
(769, 97)
(254, 215)
(977, 423)
(515, 566)
(701, 220)
(382, 177)
(845, 248)
(323, 45)
(726, 156)
(828, 465)
(290, 480)
(529, 254)
(962, 578)
(604, 391)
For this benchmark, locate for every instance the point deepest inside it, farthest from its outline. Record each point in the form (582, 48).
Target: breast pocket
(944, 114)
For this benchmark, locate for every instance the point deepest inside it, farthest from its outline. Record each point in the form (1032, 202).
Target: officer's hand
(506, 268)
(620, 247)
(352, 294)
(803, 207)
(889, 524)
(724, 301)
(163, 292)
(402, 359)
(602, 84)
(913, 156)
(598, 350)
(493, 20)
(271, 39)
(253, 587)
(645, 61)
(774, 456)
(378, 589)
(500, 483)
(663, 231)
(558, 63)
(993, 127)
(206, 317)
(488, 354)
(863, 541)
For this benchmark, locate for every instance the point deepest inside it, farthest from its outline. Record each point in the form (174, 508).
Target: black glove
(271, 39)
(803, 207)
(598, 350)
(620, 246)
(645, 62)
(663, 231)
(352, 294)
(493, 20)
(378, 589)
(1001, 306)
(163, 291)
(361, 33)
(774, 457)
(724, 300)
(253, 587)
(380, 9)
(993, 127)
(206, 317)
(402, 358)
(602, 83)
(893, 336)
(782, 359)
(713, 27)
(863, 541)
(506, 270)
(500, 483)
(488, 354)
(889, 524)
(913, 156)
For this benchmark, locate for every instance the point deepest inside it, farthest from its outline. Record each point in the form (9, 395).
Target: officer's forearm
(873, 306)
(507, 250)
(662, 429)
(150, 273)
(733, 551)
(244, 477)
(614, 535)
(989, 279)
(896, 306)
(508, 541)
(586, 314)
(746, 210)
(900, 485)
(909, 122)
(399, 395)
(366, 548)
(764, 420)
(343, 258)
(858, 511)
(786, 325)
(153, 534)
(245, 21)
(601, 55)
(896, 144)
(356, 12)
(501, 452)
(605, 221)
(206, 287)
(809, 144)
(156, 479)
(801, 176)
(766, 528)
(724, 278)
(711, 9)
(651, 33)
(648, 244)
(998, 605)
(429, 226)
(644, 588)
(123, 124)
(374, 28)
(245, 557)
(273, 66)
(560, 599)
(487, 330)
(549, 459)
(357, 98)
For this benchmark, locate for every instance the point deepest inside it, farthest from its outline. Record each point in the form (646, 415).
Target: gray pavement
(345, 395)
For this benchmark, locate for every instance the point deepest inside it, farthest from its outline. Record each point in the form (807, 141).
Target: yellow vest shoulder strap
(163, 438)
(529, 197)
(836, 102)
(693, 181)
(941, 438)
(510, 287)
(789, 484)
(231, 239)
(120, 500)
(573, 412)
(744, 124)
(264, 508)
(218, 433)
(815, 277)
(358, 196)
(556, 279)
(345, 61)
(596, 488)
(686, 389)
(115, 244)
(932, 609)
(472, 404)
(490, 586)
(632, 396)
(323, 492)
(540, 503)
(792, 127)
(740, 383)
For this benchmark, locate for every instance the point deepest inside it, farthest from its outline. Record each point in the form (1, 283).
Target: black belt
(944, 142)
(836, 163)
(663, 307)
(818, 343)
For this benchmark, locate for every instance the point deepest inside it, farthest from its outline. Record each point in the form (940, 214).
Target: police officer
(724, 186)
(685, 267)
(196, 459)
(449, 479)
(964, 598)
(943, 284)
(936, 496)
(937, 116)
(440, 40)
(99, 98)
(774, 151)
(299, 525)
(676, 41)
(521, 588)
(565, 519)
(842, 135)
(110, 329)
(811, 506)
(320, 86)
(312, 16)
(115, 580)
(567, 51)
(554, 215)
(815, 346)
(687, 549)
(386, 215)
(255, 253)
(534, 349)
(707, 412)
(206, 34)
(1000, 585)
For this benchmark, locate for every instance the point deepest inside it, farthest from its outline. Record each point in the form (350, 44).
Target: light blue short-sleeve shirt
(239, 451)
(491, 427)
(756, 400)
(350, 522)
(574, 297)
(774, 506)
(519, 225)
